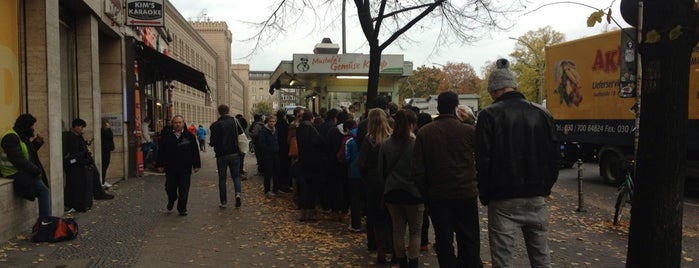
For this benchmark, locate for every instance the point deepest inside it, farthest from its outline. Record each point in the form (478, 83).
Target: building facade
(78, 59)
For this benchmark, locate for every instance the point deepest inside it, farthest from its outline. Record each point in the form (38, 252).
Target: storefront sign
(145, 13)
(345, 64)
(113, 9)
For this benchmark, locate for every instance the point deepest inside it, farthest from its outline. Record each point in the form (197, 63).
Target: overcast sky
(569, 19)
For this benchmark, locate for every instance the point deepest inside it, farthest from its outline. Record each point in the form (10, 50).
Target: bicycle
(625, 193)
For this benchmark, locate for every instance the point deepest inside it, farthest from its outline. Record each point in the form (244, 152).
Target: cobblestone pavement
(135, 230)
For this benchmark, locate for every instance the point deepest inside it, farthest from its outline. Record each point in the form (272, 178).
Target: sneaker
(183, 213)
(70, 210)
(237, 201)
(287, 190)
(222, 205)
(354, 230)
(270, 194)
(170, 204)
(106, 185)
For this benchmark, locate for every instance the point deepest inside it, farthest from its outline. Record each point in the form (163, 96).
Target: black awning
(171, 68)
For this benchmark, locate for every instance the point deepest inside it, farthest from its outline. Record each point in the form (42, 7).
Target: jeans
(270, 168)
(410, 215)
(44, 196)
(223, 163)
(458, 216)
(531, 215)
(202, 145)
(106, 158)
(177, 188)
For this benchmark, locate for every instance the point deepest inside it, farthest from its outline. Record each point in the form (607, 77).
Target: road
(600, 194)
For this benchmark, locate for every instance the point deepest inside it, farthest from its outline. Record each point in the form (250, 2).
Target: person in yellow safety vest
(19, 161)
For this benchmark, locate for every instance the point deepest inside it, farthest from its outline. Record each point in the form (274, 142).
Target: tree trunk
(374, 73)
(655, 238)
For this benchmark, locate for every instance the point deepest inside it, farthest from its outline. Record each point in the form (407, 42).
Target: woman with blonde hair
(378, 131)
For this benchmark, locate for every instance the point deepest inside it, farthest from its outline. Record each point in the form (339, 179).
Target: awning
(171, 68)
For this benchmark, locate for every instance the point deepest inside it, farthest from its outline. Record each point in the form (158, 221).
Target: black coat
(267, 142)
(516, 149)
(178, 155)
(310, 146)
(107, 140)
(224, 136)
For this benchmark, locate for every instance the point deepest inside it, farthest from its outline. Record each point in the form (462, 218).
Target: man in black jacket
(224, 139)
(19, 161)
(516, 156)
(178, 158)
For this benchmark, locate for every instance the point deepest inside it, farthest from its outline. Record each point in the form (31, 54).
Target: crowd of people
(396, 168)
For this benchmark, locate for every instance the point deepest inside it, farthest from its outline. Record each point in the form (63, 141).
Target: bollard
(581, 202)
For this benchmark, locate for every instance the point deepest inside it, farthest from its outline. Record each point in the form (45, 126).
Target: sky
(569, 19)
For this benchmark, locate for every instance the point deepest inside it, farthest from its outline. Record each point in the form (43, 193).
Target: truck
(591, 89)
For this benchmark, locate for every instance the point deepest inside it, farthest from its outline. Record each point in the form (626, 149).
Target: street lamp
(539, 68)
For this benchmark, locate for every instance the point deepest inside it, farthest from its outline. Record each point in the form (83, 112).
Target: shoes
(183, 213)
(354, 230)
(285, 191)
(237, 201)
(170, 204)
(222, 205)
(70, 210)
(106, 185)
(270, 194)
(104, 196)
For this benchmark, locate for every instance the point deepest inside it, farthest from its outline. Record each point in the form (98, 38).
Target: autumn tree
(262, 107)
(529, 60)
(669, 35)
(423, 82)
(384, 22)
(459, 77)
(486, 69)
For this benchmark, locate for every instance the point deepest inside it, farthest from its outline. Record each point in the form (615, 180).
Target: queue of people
(396, 167)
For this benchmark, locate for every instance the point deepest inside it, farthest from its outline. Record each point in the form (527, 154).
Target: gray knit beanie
(501, 77)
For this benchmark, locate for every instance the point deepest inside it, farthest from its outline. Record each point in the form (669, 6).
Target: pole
(344, 29)
(137, 115)
(581, 200)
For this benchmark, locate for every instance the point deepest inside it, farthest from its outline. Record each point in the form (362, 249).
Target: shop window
(68, 68)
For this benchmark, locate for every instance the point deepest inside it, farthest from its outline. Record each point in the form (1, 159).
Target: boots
(412, 263)
(380, 236)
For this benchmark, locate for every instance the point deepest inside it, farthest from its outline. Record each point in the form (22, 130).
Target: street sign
(145, 13)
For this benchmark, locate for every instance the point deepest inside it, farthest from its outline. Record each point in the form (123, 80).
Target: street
(135, 230)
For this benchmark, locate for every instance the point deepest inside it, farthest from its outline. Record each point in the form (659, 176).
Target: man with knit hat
(516, 154)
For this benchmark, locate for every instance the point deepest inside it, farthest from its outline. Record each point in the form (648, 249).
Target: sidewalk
(135, 230)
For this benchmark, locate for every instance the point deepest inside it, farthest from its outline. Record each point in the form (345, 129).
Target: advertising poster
(9, 65)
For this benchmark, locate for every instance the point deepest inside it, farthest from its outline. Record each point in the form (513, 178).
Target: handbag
(243, 141)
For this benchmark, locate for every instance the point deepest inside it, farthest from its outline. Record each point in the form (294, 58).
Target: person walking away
(201, 134)
(107, 137)
(308, 179)
(224, 139)
(444, 171)
(516, 160)
(178, 158)
(378, 131)
(269, 147)
(336, 184)
(401, 194)
(19, 161)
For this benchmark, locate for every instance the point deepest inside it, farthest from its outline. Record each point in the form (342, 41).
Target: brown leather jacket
(443, 163)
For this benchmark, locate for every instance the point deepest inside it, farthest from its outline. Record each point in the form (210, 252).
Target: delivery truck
(591, 87)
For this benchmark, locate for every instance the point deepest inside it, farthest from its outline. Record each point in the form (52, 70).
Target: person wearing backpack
(20, 161)
(350, 153)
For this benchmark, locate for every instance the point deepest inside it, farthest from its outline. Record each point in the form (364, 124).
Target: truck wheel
(611, 169)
